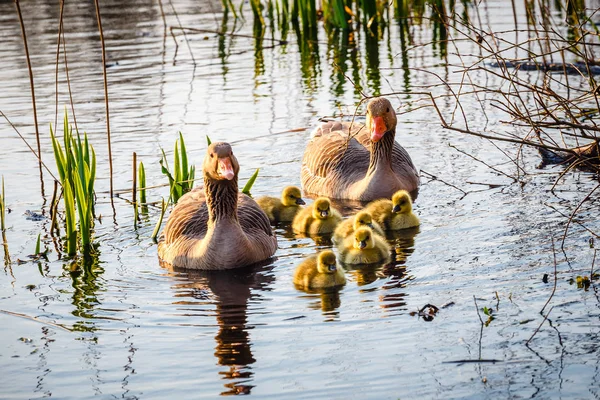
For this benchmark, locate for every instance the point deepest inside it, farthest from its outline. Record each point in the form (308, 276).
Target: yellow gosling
(365, 247)
(395, 214)
(283, 209)
(348, 226)
(319, 271)
(318, 218)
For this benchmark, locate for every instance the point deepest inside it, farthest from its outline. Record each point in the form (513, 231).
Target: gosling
(395, 214)
(365, 247)
(318, 272)
(283, 209)
(347, 227)
(318, 218)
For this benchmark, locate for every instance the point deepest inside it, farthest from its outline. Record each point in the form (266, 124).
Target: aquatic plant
(181, 180)
(142, 184)
(163, 209)
(76, 165)
(248, 185)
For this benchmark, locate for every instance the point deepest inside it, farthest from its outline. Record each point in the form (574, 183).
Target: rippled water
(129, 328)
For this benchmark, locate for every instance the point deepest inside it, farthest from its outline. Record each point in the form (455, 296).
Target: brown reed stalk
(32, 86)
(134, 190)
(60, 26)
(69, 81)
(110, 163)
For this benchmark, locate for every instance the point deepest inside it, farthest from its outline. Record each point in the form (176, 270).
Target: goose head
(291, 196)
(363, 218)
(326, 263)
(381, 118)
(401, 202)
(322, 208)
(220, 163)
(363, 238)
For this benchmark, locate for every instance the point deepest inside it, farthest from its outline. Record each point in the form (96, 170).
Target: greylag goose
(395, 214)
(365, 247)
(217, 227)
(318, 218)
(369, 166)
(347, 227)
(284, 209)
(319, 271)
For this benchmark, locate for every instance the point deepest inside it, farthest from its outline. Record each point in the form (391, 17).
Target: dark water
(128, 328)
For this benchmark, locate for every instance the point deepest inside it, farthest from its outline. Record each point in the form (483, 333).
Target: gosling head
(326, 263)
(291, 196)
(322, 208)
(381, 118)
(363, 238)
(220, 163)
(363, 218)
(401, 202)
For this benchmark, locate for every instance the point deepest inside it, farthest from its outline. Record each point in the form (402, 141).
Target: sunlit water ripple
(135, 329)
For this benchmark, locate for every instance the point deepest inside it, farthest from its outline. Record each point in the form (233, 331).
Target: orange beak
(378, 129)
(225, 169)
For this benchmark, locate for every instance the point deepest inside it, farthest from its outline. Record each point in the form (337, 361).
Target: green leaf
(160, 219)
(208, 140)
(248, 186)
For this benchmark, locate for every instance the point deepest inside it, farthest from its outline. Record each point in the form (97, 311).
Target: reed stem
(110, 164)
(32, 86)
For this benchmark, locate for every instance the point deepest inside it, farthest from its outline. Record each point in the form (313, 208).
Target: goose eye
(387, 109)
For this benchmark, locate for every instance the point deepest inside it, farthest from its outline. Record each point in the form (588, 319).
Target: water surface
(127, 327)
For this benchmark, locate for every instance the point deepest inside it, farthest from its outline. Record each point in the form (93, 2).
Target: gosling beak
(362, 244)
(300, 202)
(370, 226)
(332, 267)
(378, 129)
(225, 169)
(396, 209)
(324, 213)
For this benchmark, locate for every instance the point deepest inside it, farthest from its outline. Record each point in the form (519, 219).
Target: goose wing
(190, 217)
(331, 161)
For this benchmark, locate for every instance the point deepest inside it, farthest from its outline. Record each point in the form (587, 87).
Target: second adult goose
(217, 227)
(363, 164)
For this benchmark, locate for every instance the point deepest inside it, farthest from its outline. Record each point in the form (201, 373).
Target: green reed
(76, 165)
(181, 180)
(163, 209)
(250, 183)
(142, 184)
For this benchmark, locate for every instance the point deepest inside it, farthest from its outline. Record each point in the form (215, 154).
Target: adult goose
(217, 227)
(365, 164)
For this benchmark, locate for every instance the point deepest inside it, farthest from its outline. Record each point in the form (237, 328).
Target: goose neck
(221, 198)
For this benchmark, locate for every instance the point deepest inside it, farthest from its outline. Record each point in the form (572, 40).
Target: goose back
(332, 163)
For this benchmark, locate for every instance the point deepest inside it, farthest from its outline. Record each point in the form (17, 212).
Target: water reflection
(231, 292)
(85, 273)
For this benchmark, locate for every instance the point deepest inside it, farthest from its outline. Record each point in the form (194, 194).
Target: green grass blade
(159, 222)
(248, 186)
(38, 247)
(142, 183)
(70, 220)
(208, 141)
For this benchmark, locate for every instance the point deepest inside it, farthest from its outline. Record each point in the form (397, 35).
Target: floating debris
(33, 216)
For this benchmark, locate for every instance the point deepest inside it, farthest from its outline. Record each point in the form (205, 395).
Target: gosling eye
(212, 155)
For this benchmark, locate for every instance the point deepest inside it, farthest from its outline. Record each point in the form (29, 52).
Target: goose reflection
(230, 291)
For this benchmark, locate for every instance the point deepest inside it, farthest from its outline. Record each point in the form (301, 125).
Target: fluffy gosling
(319, 271)
(395, 214)
(348, 226)
(318, 218)
(283, 209)
(365, 247)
